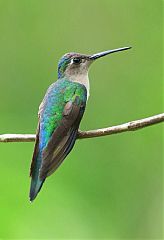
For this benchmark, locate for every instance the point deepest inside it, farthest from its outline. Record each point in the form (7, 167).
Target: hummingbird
(60, 114)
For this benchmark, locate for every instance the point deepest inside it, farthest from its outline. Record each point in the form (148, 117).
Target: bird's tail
(35, 188)
(36, 182)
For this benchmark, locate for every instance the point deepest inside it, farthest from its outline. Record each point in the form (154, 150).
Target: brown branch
(130, 126)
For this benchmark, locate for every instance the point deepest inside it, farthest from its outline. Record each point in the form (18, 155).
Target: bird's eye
(77, 60)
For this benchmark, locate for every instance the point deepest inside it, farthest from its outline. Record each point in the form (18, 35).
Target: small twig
(130, 126)
(17, 138)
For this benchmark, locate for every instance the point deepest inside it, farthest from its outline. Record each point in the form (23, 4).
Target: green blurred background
(109, 187)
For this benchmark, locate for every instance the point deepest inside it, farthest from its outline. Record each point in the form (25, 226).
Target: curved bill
(102, 54)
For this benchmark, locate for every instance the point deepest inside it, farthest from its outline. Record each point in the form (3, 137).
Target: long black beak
(102, 54)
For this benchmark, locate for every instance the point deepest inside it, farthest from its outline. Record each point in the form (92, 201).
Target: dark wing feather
(57, 160)
(63, 138)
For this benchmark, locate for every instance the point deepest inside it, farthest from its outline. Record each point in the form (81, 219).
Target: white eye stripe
(72, 61)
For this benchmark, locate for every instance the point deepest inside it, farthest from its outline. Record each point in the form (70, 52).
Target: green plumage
(60, 114)
(51, 110)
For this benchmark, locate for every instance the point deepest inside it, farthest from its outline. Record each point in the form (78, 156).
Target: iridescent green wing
(64, 135)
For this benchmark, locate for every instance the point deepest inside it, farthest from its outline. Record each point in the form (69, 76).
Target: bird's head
(75, 64)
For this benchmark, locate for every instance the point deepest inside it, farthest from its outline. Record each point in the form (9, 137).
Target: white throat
(82, 79)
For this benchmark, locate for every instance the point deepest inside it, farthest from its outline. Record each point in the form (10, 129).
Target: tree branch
(130, 126)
